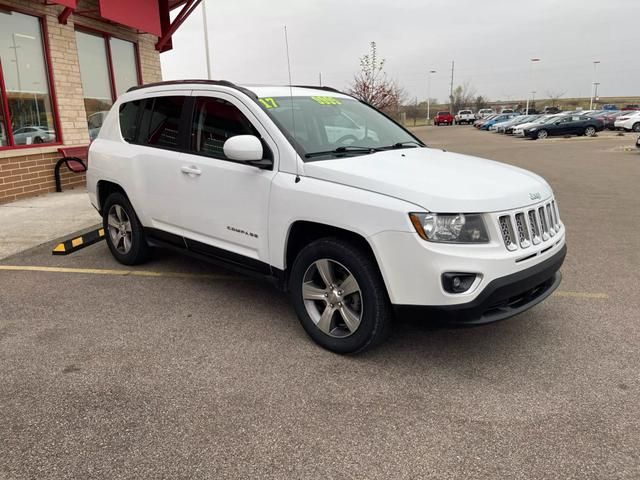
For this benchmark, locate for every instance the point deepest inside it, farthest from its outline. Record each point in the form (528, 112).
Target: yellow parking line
(599, 296)
(104, 271)
(148, 273)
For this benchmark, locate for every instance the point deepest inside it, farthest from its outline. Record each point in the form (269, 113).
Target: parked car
(464, 116)
(629, 121)
(443, 118)
(212, 169)
(565, 125)
(519, 129)
(94, 123)
(609, 106)
(550, 110)
(498, 118)
(484, 112)
(509, 125)
(481, 121)
(33, 134)
(631, 107)
(506, 110)
(610, 117)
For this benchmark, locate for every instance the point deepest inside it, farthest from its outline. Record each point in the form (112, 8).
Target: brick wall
(69, 95)
(31, 174)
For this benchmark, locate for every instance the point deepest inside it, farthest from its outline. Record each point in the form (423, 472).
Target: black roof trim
(222, 83)
(317, 87)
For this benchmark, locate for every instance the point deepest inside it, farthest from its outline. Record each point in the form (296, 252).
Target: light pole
(533, 60)
(429, 96)
(206, 38)
(595, 88)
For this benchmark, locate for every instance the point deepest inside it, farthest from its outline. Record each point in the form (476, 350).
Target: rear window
(443, 113)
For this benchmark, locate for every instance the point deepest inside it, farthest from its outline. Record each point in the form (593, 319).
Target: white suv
(329, 198)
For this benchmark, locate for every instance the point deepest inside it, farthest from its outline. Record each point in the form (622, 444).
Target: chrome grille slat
(534, 226)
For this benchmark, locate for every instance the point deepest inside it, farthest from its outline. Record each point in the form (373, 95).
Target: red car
(443, 118)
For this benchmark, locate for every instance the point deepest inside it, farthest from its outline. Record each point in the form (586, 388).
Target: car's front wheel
(590, 131)
(542, 134)
(636, 127)
(339, 296)
(124, 233)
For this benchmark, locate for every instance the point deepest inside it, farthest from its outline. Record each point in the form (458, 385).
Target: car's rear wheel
(339, 296)
(590, 131)
(636, 127)
(124, 233)
(542, 134)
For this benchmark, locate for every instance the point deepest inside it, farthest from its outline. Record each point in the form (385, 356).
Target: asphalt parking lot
(181, 370)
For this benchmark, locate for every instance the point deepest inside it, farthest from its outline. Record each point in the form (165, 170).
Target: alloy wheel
(590, 132)
(332, 298)
(542, 134)
(119, 229)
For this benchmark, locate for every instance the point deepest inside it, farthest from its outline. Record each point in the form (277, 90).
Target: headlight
(450, 228)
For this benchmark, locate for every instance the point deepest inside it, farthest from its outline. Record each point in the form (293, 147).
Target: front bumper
(503, 298)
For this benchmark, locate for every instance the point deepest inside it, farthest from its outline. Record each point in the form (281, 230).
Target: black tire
(139, 250)
(636, 127)
(38, 140)
(589, 131)
(376, 311)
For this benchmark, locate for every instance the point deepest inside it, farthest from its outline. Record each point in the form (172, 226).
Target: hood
(436, 180)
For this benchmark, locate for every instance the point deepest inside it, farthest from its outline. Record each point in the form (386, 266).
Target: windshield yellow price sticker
(327, 100)
(268, 102)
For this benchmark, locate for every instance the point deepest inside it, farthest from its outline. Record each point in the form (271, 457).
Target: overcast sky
(491, 41)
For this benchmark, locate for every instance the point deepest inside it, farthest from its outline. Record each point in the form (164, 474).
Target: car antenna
(293, 115)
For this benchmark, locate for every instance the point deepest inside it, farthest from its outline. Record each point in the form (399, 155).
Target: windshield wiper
(344, 149)
(407, 144)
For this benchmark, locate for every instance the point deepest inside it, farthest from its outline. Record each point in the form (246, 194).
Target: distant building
(62, 65)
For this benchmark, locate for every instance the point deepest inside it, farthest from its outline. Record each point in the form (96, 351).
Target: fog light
(457, 282)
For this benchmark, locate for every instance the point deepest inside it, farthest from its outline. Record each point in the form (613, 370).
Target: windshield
(327, 127)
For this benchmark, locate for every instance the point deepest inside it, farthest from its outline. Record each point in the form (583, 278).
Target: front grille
(521, 229)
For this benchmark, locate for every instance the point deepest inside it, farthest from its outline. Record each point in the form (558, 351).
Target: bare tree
(555, 95)
(463, 97)
(372, 85)
(480, 102)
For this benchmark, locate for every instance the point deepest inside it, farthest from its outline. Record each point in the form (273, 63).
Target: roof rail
(223, 83)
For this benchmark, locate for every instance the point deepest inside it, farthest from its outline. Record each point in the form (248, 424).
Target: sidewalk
(33, 221)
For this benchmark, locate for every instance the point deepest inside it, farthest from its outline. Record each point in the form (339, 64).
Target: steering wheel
(342, 140)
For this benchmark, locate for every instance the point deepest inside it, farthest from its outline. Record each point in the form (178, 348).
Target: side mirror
(243, 148)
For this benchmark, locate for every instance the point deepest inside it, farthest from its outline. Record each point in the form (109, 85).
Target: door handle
(192, 170)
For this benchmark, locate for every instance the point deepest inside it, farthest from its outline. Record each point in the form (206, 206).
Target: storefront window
(125, 73)
(103, 83)
(26, 83)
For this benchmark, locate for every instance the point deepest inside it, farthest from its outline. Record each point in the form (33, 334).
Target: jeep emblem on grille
(535, 196)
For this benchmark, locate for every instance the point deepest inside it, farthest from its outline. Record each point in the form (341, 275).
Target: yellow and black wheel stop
(78, 243)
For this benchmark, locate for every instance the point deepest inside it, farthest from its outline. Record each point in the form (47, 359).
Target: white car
(464, 116)
(484, 112)
(629, 121)
(355, 230)
(33, 134)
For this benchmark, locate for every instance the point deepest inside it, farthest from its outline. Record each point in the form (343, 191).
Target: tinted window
(216, 120)
(160, 121)
(129, 120)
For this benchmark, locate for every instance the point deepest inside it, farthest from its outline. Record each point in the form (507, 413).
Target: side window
(160, 122)
(128, 120)
(215, 120)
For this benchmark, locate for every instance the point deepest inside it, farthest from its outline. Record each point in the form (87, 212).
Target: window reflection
(94, 73)
(123, 59)
(26, 83)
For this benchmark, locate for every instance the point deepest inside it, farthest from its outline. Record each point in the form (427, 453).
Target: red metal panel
(143, 15)
(66, 3)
